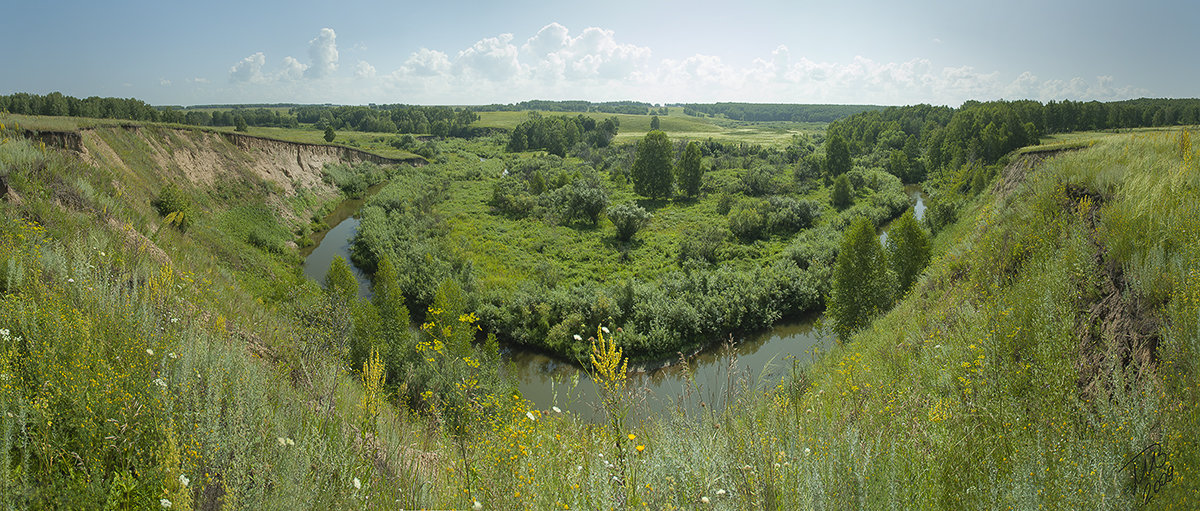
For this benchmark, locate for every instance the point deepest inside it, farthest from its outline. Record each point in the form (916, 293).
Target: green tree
(329, 134)
(841, 193)
(689, 170)
(862, 281)
(898, 165)
(240, 124)
(628, 218)
(388, 299)
(837, 155)
(340, 284)
(654, 123)
(908, 250)
(651, 171)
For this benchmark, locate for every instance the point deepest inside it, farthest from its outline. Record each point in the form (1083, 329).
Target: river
(705, 381)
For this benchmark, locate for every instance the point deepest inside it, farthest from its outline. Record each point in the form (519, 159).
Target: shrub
(746, 223)
(787, 215)
(628, 218)
(840, 198)
(702, 245)
(172, 200)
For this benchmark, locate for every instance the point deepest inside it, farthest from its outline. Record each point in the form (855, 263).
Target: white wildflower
(149, 352)
(173, 355)
(556, 409)
(184, 480)
(579, 468)
(290, 441)
(102, 254)
(357, 484)
(281, 441)
(704, 500)
(174, 320)
(477, 506)
(720, 493)
(164, 503)
(4, 332)
(807, 451)
(530, 415)
(604, 329)
(578, 337)
(72, 281)
(160, 382)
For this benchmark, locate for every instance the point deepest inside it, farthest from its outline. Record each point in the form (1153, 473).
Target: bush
(586, 199)
(746, 223)
(702, 245)
(840, 198)
(173, 200)
(628, 218)
(787, 215)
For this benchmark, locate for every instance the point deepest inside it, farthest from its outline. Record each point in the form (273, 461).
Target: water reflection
(703, 381)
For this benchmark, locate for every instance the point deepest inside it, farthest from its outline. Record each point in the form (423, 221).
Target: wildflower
(160, 382)
(604, 329)
(807, 451)
(704, 500)
(530, 416)
(174, 320)
(556, 409)
(476, 506)
(149, 352)
(164, 503)
(632, 436)
(357, 484)
(578, 337)
(720, 493)
(747, 467)
(4, 332)
(72, 281)
(183, 479)
(281, 441)
(578, 468)
(290, 441)
(641, 448)
(173, 355)
(102, 254)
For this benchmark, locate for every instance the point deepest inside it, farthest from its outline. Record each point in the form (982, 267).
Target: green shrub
(171, 200)
(628, 218)
(746, 223)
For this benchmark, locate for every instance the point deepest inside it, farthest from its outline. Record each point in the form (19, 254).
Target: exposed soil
(1117, 331)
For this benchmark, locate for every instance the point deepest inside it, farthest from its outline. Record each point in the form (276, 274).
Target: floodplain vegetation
(174, 358)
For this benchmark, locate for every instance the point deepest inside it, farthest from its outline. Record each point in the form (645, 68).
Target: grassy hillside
(1046, 358)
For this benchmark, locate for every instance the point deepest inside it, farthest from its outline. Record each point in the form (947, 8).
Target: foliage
(840, 198)
(628, 218)
(329, 134)
(863, 284)
(175, 205)
(837, 155)
(651, 171)
(746, 223)
(689, 171)
(908, 251)
(557, 134)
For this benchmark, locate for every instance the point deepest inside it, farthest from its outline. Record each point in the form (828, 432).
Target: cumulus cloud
(249, 70)
(364, 70)
(164, 82)
(323, 52)
(491, 58)
(292, 69)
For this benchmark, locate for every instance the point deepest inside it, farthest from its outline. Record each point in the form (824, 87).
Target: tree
(388, 299)
(654, 122)
(689, 171)
(240, 124)
(908, 250)
(841, 193)
(651, 171)
(862, 281)
(586, 199)
(837, 155)
(329, 135)
(898, 165)
(628, 218)
(340, 284)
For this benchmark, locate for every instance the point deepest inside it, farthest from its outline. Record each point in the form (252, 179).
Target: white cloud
(364, 70)
(292, 69)
(199, 80)
(249, 70)
(323, 52)
(164, 82)
(596, 64)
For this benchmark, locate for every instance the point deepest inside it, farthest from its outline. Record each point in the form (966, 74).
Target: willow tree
(651, 171)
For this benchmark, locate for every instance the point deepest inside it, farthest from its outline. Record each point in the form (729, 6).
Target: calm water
(701, 381)
(918, 198)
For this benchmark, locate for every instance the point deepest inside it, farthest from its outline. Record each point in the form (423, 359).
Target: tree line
(558, 133)
(608, 107)
(441, 121)
(760, 112)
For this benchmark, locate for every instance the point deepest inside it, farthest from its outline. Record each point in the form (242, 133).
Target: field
(676, 125)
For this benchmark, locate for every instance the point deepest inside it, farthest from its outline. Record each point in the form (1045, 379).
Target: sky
(464, 53)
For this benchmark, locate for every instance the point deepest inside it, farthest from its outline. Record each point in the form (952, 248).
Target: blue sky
(450, 52)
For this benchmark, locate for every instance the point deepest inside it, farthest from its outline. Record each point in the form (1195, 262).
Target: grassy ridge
(676, 125)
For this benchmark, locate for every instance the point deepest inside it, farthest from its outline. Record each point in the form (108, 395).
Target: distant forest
(862, 126)
(762, 112)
